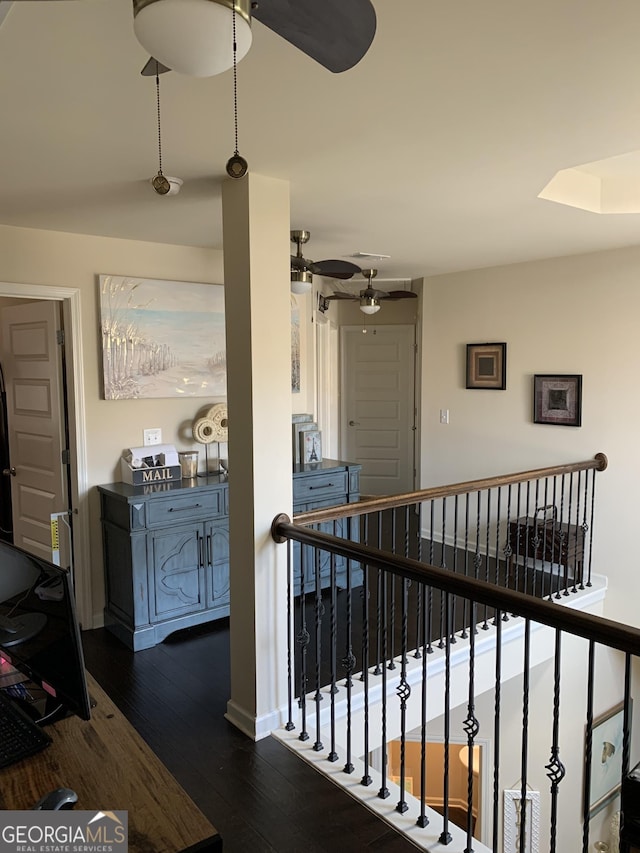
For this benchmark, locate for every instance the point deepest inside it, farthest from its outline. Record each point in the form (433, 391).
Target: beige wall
(568, 315)
(66, 260)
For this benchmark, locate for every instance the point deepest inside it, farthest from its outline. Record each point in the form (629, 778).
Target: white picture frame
(310, 446)
(606, 758)
(512, 801)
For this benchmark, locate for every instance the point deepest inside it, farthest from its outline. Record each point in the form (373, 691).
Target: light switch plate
(152, 436)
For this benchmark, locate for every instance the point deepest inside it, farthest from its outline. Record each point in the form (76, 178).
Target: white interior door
(32, 363)
(378, 406)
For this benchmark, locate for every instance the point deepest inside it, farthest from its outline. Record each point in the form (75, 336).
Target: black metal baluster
(525, 734)
(593, 507)
(626, 717)
(464, 634)
(383, 793)
(455, 568)
(379, 614)
(403, 691)
(333, 629)
(390, 661)
(445, 835)
(588, 749)
(477, 558)
(554, 538)
(509, 560)
(443, 565)
(496, 579)
(319, 607)
(575, 533)
(303, 640)
(290, 629)
(519, 522)
(420, 594)
(528, 541)
(349, 660)
(430, 589)
(546, 557)
(423, 820)
(471, 728)
(366, 778)
(584, 526)
(555, 767)
(538, 541)
(562, 536)
(496, 732)
(485, 624)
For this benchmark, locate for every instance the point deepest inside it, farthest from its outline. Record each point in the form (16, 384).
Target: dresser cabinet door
(217, 542)
(176, 571)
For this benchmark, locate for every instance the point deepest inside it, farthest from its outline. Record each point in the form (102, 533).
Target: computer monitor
(39, 632)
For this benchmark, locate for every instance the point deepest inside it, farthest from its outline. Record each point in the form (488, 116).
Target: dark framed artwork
(557, 399)
(487, 366)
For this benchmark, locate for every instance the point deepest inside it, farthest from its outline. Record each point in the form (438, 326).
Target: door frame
(79, 497)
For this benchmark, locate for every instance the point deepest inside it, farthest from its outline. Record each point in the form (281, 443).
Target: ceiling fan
(369, 298)
(303, 270)
(200, 38)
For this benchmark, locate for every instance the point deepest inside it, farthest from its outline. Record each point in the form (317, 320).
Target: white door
(32, 362)
(378, 406)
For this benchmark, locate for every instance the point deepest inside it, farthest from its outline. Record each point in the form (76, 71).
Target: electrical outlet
(152, 436)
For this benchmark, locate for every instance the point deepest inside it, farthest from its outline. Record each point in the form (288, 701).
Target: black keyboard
(20, 736)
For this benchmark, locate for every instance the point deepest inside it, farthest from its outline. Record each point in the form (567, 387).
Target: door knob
(7, 471)
(354, 423)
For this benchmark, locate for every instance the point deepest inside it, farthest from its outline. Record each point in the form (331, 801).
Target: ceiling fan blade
(398, 294)
(336, 33)
(336, 269)
(339, 295)
(153, 67)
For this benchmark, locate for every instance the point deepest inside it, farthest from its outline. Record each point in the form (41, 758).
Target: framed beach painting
(162, 338)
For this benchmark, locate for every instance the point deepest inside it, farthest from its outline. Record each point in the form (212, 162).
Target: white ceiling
(433, 149)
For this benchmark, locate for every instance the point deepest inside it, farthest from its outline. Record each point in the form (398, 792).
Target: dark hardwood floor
(259, 796)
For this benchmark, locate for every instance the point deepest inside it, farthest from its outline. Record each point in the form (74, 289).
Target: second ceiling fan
(370, 298)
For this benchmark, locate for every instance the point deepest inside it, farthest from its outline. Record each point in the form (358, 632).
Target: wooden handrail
(377, 504)
(596, 628)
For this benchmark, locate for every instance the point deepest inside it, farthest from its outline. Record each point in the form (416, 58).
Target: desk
(109, 766)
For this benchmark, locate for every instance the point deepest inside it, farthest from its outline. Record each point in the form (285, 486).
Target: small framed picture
(310, 446)
(606, 758)
(487, 366)
(557, 399)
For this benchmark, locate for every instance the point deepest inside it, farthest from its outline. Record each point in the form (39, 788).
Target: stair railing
(373, 627)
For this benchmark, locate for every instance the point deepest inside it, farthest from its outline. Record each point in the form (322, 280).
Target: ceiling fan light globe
(301, 281)
(193, 37)
(369, 305)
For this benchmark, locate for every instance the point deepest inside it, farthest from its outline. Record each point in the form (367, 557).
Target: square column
(256, 224)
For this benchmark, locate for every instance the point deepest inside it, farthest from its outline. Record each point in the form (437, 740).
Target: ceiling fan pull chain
(159, 124)
(235, 82)
(237, 166)
(160, 184)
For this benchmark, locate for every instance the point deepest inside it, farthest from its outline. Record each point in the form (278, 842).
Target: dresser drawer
(320, 487)
(185, 507)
